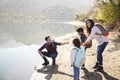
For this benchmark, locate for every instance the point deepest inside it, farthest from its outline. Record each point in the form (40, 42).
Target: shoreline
(111, 55)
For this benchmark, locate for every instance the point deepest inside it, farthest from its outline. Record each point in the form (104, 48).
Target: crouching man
(51, 47)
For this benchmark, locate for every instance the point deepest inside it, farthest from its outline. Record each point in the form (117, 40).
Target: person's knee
(41, 53)
(53, 56)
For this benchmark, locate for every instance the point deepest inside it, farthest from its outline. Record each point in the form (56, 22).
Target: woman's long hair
(92, 24)
(76, 42)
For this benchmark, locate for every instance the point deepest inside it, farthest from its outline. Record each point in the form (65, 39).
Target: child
(83, 38)
(74, 55)
(80, 32)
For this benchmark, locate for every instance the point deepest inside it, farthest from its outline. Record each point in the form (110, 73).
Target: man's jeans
(53, 55)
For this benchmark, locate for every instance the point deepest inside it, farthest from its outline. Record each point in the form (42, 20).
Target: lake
(19, 44)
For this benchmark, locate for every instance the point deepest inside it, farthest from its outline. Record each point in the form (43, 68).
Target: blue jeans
(76, 73)
(53, 55)
(100, 50)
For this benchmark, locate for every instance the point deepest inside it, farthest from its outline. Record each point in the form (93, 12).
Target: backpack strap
(76, 48)
(102, 29)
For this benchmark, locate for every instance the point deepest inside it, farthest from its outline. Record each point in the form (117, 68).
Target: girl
(73, 57)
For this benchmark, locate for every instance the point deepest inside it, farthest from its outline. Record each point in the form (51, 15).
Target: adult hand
(71, 65)
(84, 44)
(65, 43)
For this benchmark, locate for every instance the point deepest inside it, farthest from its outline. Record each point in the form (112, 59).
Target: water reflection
(32, 33)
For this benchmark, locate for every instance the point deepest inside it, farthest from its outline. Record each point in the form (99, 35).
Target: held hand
(71, 65)
(83, 44)
(67, 43)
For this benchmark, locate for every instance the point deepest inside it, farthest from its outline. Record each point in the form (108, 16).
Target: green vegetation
(106, 12)
(109, 12)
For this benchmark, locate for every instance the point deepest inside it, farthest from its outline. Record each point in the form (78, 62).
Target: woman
(101, 39)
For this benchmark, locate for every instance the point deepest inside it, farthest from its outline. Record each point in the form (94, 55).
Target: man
(51, 47)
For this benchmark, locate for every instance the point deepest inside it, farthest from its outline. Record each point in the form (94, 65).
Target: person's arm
(73, 56)
(91, 36)
(64, 43)
(41, 48)
(57, 43)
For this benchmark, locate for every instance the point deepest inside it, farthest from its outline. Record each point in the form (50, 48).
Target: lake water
(17, 63)
(19, 45)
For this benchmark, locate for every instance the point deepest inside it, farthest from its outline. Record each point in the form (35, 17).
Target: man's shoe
(45, 63)
(54, 62)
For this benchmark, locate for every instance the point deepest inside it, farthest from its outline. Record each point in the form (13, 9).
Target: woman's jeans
(100, 50)
(76, 73)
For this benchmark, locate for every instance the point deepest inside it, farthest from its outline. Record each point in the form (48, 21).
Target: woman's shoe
(96, 65)
(99, 68)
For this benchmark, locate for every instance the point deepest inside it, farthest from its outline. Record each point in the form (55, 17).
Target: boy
(83, 37)
(80, 32)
